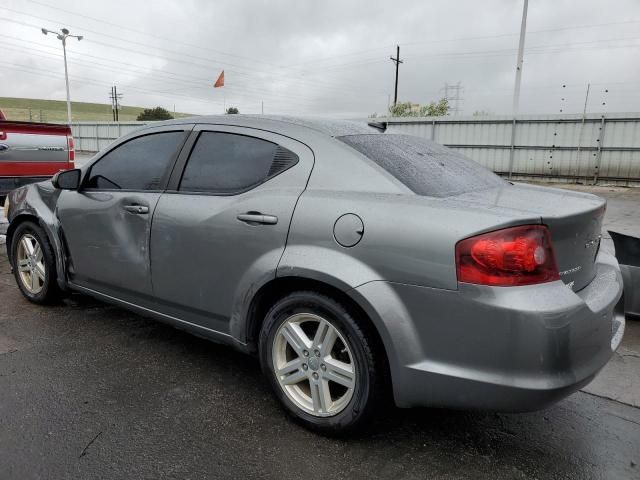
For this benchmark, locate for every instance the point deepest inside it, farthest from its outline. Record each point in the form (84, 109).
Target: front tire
(322, 364)
(34, 265)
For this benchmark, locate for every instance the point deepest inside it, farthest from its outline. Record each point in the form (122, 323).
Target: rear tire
(33, 263)
(321, 363)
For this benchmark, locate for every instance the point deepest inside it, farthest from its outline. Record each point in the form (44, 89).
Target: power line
(181, 55)
(199, 83)
(440, 40)
(325, 85)
(459, 39)
(159, 37)
(49, 73)
(357, 64)
(539, 50)
(191, 82)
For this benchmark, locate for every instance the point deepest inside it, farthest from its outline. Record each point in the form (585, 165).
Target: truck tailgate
(34, 149)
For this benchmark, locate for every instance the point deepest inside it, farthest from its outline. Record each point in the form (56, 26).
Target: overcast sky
(325, 57)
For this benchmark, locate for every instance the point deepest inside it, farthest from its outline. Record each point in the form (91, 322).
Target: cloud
(329, 57)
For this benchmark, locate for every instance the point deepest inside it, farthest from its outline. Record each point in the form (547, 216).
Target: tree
(157, 113)
(408, 109)
(232, 111)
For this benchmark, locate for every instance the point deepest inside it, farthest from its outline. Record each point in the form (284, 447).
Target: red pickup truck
(32, 152)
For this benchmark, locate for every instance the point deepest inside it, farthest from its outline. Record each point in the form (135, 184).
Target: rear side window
(423, 166)
(227, 163)
(139, 164)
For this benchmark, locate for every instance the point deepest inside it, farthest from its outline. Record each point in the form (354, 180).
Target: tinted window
(228, 163)
(139, 164)
(425, 167)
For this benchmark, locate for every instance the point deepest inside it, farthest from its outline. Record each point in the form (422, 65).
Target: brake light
(71, 149)
(513, 256)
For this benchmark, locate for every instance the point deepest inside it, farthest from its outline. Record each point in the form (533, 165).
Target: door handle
(254, 218)
(138, 209)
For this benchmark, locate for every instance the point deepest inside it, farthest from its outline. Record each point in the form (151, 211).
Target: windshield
(425, 167)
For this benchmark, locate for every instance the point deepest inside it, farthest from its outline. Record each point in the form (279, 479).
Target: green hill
(31, 109)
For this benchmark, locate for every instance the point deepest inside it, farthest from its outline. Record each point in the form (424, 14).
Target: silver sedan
(356, 263)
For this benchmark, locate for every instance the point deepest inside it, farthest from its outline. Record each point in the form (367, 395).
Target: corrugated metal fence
(94, 136)
(551, 147)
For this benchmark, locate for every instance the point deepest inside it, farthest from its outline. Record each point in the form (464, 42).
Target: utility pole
(516, 89)
(62, 36)
(116, 97)
(115, 104)
(262, 107)
(397, 61)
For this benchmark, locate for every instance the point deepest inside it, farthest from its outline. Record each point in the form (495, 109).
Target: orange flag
(219, 81)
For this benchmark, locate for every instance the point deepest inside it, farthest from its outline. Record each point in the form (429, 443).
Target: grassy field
(31, 109)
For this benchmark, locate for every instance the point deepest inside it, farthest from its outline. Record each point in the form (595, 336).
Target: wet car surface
(92, 391)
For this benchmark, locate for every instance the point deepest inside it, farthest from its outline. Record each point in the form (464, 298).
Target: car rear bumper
(496, 348)
(11, 183)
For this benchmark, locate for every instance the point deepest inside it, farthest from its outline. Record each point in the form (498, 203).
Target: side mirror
(67, 180)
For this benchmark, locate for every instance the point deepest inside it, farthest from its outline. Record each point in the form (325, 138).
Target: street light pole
(66, 78)
(523, 30)
(62, 36)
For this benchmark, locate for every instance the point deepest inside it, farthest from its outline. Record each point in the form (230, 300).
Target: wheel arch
(278, 287)
(19, 220)
(27, 216)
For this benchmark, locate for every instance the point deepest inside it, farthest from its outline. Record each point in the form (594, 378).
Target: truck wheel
(321, 363)
(34, 265)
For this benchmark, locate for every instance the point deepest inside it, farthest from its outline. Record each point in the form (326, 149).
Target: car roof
(280, 123)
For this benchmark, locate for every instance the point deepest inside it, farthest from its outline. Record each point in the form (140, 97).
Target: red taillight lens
(513, 256)
(71, 148)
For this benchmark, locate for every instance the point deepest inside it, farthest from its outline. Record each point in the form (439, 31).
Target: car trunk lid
(574, 220)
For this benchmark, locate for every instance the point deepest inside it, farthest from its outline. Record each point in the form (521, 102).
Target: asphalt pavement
(90, 391)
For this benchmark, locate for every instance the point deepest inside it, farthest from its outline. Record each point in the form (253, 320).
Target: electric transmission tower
(452, 95)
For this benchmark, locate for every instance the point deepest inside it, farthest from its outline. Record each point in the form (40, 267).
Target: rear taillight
(71, 149)
(513, 256)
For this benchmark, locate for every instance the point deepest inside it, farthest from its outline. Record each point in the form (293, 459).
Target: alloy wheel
(314, 364)
(30, 264)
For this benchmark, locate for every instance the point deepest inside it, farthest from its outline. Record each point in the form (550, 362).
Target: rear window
(425, 167)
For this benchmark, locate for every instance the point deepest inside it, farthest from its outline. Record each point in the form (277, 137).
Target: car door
(106, 223)
(222, 228)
